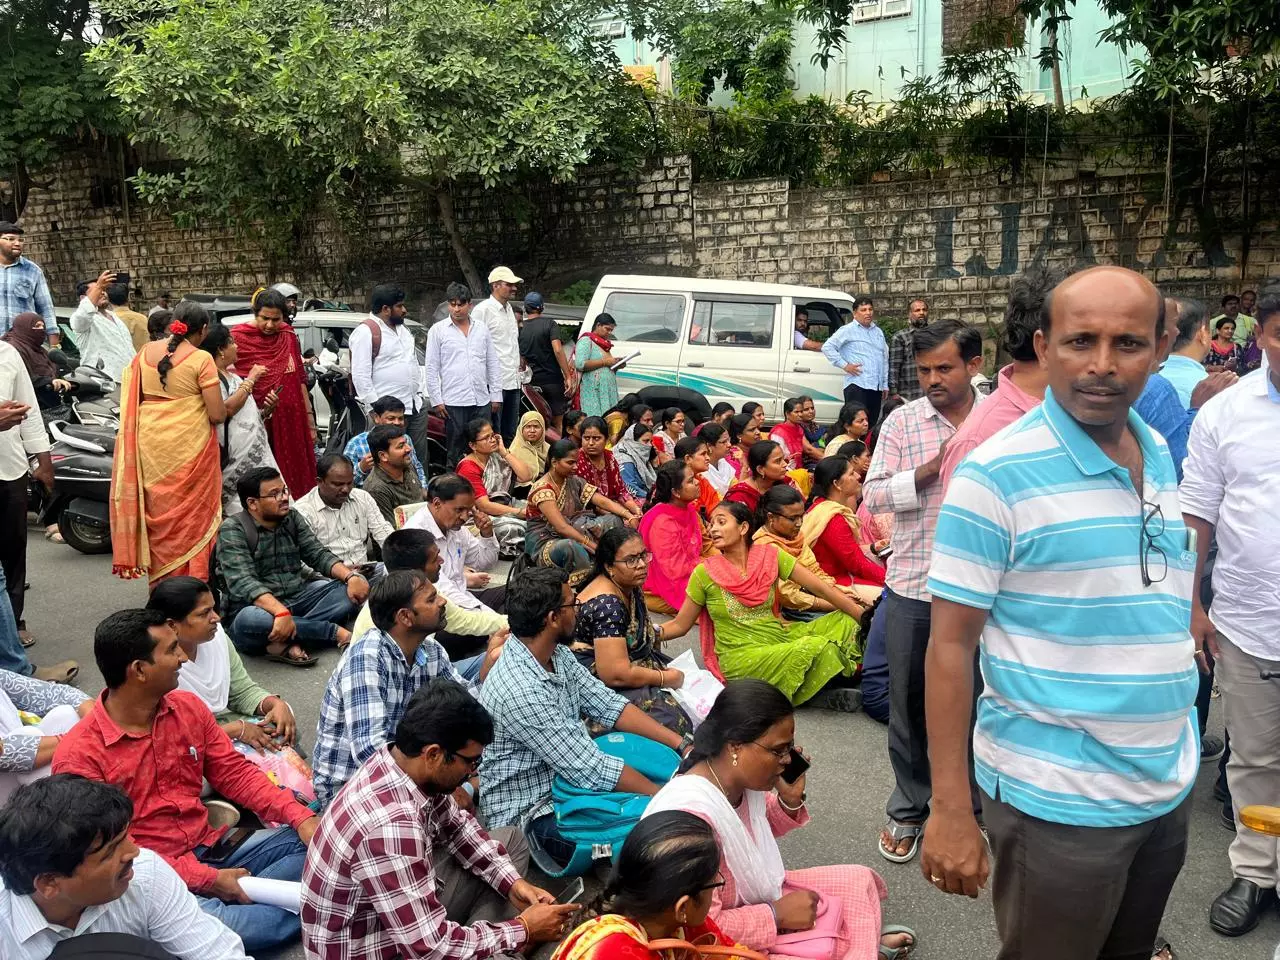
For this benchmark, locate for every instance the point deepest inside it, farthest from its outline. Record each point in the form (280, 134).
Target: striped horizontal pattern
(1090, 679)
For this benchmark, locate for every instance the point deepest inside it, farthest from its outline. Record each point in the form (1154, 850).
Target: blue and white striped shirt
(854, 343)
(1090, 682)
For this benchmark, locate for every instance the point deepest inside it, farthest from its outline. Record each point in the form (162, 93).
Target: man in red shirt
(159, 744)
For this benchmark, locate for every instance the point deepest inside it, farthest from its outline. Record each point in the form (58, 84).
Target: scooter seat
(104, 437)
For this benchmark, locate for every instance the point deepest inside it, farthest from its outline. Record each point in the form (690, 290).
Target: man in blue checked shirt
(859, 349)
(537, 694)
(385, 410)
(1062, 556)
(22, 284)
(368, 692)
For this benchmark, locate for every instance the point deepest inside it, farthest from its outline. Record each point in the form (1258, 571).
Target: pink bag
(826, 941)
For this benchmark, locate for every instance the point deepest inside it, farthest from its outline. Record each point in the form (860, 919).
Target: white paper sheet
(285, 894)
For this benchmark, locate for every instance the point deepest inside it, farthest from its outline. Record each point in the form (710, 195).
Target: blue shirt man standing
(859, 349)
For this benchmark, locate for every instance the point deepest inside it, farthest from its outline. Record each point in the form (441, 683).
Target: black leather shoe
(1238, 908)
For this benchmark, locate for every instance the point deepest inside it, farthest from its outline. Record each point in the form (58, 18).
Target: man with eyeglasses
(538, 695)
(1230, 489)
(366, 695)
(272, 608)
(400, 870)
(464, 377)
(1062, 555)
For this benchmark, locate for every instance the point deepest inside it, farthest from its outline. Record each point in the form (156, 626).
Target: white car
(722, 340)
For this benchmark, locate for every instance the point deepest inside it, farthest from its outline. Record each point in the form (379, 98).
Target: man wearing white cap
(496, 314)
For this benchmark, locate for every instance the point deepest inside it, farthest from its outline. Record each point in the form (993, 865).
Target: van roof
(707, 285)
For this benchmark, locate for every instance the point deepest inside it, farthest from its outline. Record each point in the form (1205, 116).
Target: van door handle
(799, 369)
(695, 363)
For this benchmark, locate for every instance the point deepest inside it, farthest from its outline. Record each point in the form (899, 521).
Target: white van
(725, 340)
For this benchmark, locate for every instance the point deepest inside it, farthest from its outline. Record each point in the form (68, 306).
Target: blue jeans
(875, 669)
(275, 855)
(317, 610)
(12, 657)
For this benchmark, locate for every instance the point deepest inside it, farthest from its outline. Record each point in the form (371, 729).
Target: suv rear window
(646, 317)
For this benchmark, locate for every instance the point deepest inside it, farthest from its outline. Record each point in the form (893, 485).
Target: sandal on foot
(26, 639)
(897, 953)
(306, 660)
(899, 831)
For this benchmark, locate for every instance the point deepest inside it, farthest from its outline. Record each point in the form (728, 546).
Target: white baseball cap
(503, 275)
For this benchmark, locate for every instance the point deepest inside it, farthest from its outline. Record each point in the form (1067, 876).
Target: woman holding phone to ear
(733, 779)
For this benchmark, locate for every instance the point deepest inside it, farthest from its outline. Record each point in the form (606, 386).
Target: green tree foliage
(49, 103)
(280, 110)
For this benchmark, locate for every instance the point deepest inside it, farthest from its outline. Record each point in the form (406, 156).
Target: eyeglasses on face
(471, 762)
(783, 753)
(273, 495)
(637, 560)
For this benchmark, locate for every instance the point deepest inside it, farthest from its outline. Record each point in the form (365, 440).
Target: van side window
(721, 323)
(646, 317)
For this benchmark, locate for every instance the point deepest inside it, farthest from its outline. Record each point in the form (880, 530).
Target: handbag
(825, 941)
(684, 950)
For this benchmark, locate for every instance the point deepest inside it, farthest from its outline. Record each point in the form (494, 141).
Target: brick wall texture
(954, 239)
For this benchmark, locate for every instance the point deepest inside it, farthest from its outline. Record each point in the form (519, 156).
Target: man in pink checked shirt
(395, 859)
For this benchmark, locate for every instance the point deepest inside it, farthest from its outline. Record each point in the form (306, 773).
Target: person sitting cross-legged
(366, 695)
(346, 521)
(26, 749)
(70, 869)
(399, 870)
(393, 482)
(160, 744)
(538, 694)
(385, 410)
(272, 609)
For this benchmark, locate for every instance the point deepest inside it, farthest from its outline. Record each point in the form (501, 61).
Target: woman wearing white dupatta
(732, 780)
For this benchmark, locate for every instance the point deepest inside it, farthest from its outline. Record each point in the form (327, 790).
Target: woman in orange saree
(270, 341)
(656, 901)
(166, 481)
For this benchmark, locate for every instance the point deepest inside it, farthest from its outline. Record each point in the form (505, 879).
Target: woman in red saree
(659, 893)
(832, 530)
(166, 481)
(291, 428)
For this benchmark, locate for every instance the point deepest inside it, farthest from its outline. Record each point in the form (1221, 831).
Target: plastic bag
(699, 690)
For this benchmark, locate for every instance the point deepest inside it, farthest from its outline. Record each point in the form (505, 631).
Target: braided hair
(189, 320)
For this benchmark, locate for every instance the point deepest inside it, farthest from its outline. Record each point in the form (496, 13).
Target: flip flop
(899, 831)
(304, 661)
(897, 953)
(26, 639)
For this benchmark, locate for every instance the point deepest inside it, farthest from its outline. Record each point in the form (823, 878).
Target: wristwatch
(685, 743)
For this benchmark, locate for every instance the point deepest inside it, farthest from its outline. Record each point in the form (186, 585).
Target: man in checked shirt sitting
(395, 864)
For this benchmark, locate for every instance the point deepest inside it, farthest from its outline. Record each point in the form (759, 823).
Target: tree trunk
(11, 207)
(1058, 100)
(444, 199)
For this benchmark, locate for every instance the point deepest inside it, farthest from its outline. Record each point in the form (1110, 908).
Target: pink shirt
(1006, 405)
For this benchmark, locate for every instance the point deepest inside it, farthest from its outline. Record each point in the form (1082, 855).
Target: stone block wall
(955, 239)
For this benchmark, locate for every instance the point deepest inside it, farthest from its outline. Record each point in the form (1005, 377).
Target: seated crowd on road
(475, 735)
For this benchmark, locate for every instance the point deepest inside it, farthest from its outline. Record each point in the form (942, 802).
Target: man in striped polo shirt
(1061, 553)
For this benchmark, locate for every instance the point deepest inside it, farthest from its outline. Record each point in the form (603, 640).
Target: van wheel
(84, 536)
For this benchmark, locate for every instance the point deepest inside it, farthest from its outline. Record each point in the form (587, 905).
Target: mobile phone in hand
(572, 892)
(796, 766)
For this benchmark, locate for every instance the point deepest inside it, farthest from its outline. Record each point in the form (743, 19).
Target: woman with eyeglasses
(733, 598)
(661, 888)
(672, 532)
(672, 422)
(733, 779)
(782, 514)
(615, 639)
(493, 470)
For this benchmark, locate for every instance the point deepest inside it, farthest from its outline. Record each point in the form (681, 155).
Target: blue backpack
(598, 823)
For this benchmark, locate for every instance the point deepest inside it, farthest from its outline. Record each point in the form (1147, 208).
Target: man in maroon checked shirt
(159, 744)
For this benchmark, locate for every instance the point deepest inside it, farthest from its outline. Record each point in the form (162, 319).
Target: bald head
(1104, 331)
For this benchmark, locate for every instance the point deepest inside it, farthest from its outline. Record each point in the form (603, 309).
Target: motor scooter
(80, 503)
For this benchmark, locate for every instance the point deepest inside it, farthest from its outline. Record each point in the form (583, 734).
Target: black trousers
(868, 398)
(507, 418)
(455, 431)
(13, 542)
(1065, 892)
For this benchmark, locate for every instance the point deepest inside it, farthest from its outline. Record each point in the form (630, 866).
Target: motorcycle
(94, 398)
(79, 505)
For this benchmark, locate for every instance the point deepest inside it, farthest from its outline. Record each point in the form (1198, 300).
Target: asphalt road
(847, 787)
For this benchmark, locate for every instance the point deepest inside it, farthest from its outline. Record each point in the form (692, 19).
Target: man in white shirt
(22, 436)
(344, 518)
(104, 338)
(384, 361)
(1231, 481)
(69, 868)
(463, 558)
(496, 314)
(464, 379)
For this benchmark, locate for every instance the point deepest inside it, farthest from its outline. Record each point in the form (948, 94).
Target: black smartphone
(122, 276)
(227, 844)
(796, 766)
